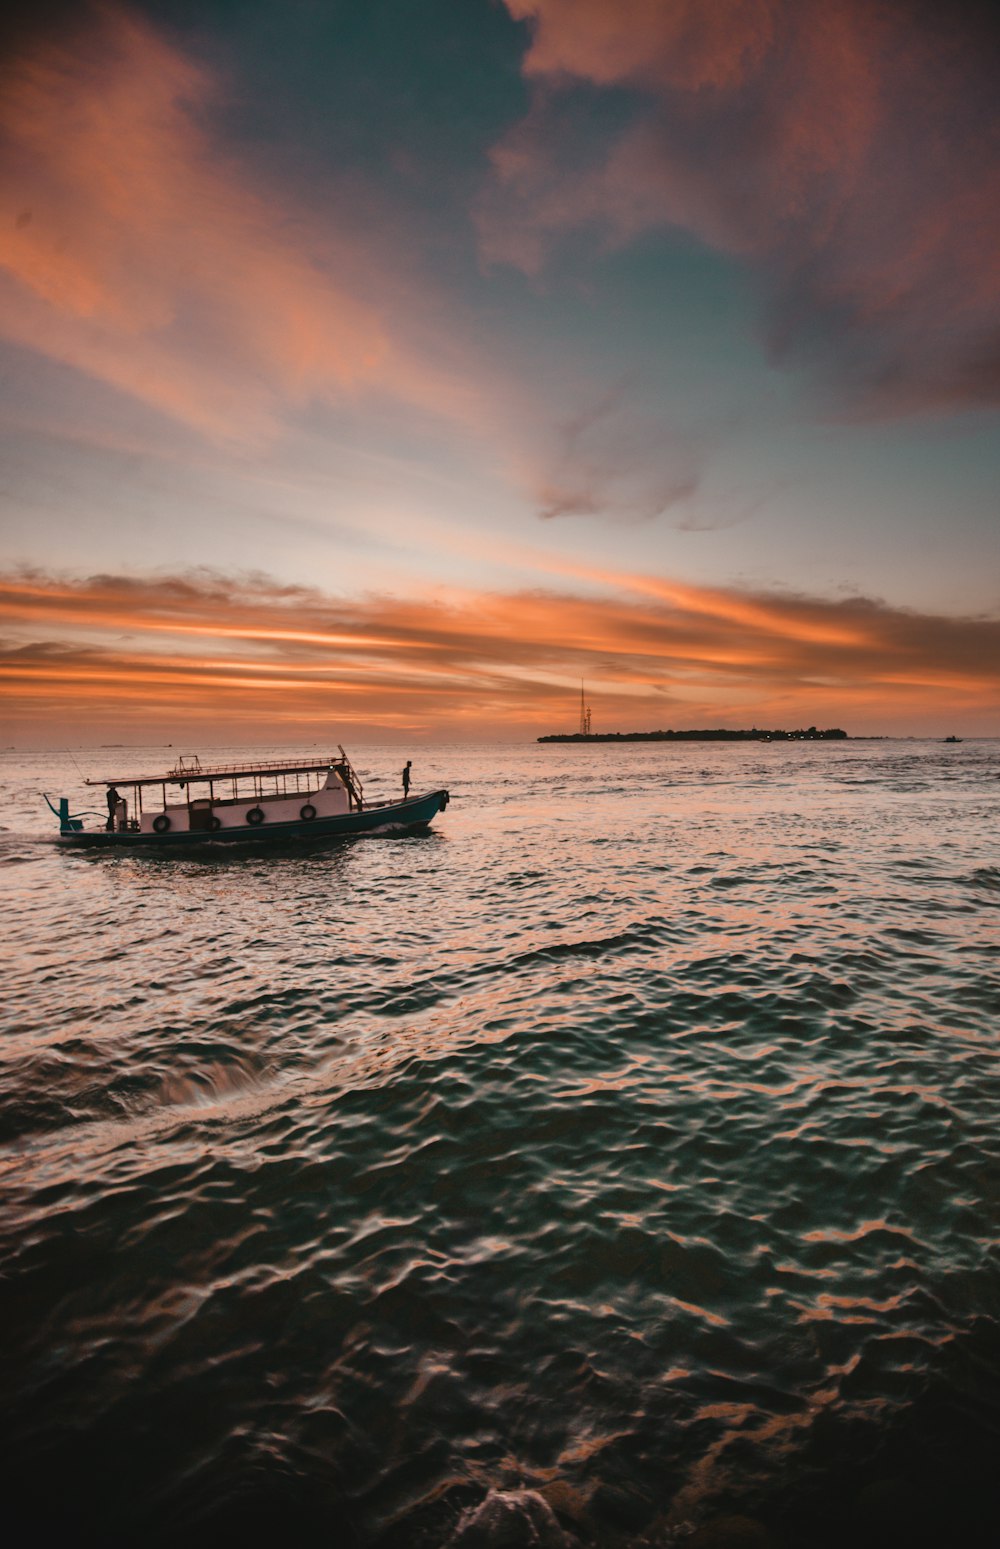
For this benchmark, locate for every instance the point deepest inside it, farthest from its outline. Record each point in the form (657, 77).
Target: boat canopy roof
(189, 771)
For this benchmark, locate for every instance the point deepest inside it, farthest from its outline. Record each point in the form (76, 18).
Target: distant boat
(278, 800)
(952, 739)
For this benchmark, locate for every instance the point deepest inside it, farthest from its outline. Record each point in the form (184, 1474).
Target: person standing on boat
(406, 779)
(113, 800)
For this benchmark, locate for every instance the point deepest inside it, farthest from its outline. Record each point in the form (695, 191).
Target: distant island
(720, 734)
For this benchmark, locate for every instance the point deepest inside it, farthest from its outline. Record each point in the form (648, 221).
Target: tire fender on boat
(215, 823)
(161, 823)
(307, 813)
(255, 815)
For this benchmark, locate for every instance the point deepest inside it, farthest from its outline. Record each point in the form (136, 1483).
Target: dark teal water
(630, 1143)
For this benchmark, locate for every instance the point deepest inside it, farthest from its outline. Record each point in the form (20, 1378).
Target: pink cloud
(850, 152)
(142, 254)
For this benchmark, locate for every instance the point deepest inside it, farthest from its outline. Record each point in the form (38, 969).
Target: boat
(277, 800)
(952, 739)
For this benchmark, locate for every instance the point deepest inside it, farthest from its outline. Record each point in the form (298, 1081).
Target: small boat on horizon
(279, 800)
(953, 739)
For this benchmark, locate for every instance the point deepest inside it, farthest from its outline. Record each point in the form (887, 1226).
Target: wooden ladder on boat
(350, 779)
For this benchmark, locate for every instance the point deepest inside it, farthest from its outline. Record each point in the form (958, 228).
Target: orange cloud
(851, 152)
(139, 253)
(238, 652)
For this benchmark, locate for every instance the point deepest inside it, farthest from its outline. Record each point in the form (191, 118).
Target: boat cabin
(196, 799)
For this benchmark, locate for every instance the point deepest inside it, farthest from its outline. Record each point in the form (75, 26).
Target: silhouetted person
(113, 800)
(406, 779)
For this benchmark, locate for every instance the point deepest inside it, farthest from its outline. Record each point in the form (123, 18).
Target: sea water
(619, 1154)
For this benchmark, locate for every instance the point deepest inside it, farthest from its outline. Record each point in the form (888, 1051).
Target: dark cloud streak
(612, 459)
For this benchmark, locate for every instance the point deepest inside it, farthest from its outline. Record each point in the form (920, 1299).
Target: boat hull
(414, 813)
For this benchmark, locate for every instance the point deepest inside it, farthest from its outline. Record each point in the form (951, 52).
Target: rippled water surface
(628, 1144)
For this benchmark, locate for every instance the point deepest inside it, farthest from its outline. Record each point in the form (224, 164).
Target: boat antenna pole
(69, 753)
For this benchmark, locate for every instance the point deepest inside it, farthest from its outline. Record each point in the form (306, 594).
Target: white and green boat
(277, 800)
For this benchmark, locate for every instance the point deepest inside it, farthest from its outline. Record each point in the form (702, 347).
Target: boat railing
(183, 770)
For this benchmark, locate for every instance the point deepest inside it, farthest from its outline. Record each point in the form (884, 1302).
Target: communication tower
(584, 714)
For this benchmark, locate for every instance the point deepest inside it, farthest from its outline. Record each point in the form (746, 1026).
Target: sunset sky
(383, 368)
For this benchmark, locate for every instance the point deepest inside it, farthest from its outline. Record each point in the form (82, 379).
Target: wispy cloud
(140, 252)
(237, 651)
(145, 253)
(849, 152)
(612, 459)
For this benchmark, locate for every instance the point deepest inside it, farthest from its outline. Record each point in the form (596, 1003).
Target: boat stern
(68, 823)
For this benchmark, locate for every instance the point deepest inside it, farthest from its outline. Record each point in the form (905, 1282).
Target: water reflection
(632, 1142)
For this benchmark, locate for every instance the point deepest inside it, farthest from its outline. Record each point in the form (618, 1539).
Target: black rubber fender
(307, 813)
(161, 823)
(255, 816)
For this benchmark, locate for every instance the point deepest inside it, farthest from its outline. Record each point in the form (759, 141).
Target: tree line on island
(718, 734)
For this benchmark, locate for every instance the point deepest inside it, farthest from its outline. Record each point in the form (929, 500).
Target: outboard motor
(68, 824)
